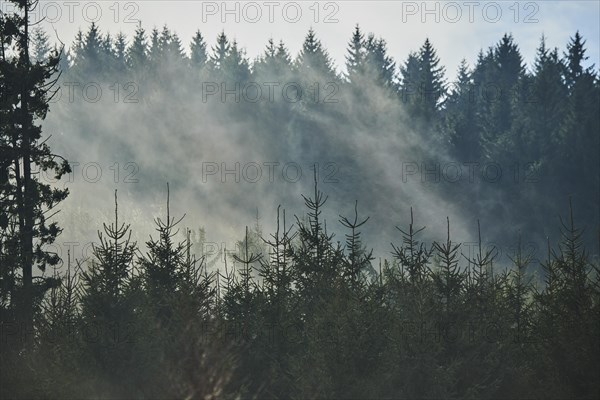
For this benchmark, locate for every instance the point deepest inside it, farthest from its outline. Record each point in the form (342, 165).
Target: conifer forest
(187, 220)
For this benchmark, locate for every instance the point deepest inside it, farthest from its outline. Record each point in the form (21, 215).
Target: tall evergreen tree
(111, 267)
(579, 131)
(502, 95)
(317, 261)
(77, 46)
(432, 80)
(198, 56)
(174, 49)
(65, 59)
(355, 59)
(283, 55)
(574, 58)
(545, 108)
(220, 51)
(40, 45)
(108, 49)
(108, 302)
(90, 57)
(235, 66)
(410, 81)
(164, 40)
(422, 87)
(155, 54)
(120, 52)
(460, 124)
(137, 53)
(313, 61)
(378, 65)
(275, 62)
(27, 202)
(357, 266)
(162, 267)
(447, 277)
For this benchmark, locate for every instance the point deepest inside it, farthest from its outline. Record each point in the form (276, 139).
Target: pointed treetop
(574, 58)
(313, 56)
(508, 59)
(221, 50)
(137, 53)
(271, 49)
(282, 53)
(198, 54)
(356, 54)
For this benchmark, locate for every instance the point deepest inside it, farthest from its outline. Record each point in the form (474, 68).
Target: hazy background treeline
(499, 140)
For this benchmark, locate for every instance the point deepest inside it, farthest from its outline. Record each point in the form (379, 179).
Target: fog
(228, 155)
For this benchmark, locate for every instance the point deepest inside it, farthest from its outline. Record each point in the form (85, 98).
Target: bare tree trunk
(26, 205)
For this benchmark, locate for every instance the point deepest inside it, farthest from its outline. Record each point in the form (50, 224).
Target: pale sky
(457, 29)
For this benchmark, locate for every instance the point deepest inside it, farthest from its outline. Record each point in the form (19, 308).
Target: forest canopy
(507, 152)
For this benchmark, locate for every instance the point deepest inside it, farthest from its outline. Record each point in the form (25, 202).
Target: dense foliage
(319, 319)
(300, 313)
(509, 135)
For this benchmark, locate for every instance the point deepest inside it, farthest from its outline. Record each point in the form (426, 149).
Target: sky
(457, 29)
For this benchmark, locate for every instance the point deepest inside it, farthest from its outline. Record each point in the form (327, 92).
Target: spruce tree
(108, 51)
(459, 127)
(448, 277)
(547, 109)
(275, 63)
(432, 80)
(28, 203)
(355, 59)
(198, 57)
(175, 50)
(162, 266)
(235, 66)
(220, 52)
(422, 86)
(120, 52)
(313, 63)
(357, 266)
(137, 53)
(378, 65)
(410, 83)
(572, 341)
(109, 303)
(574, 57)
(77, 46)
(275, 269)
(317, 261)
(107, 277)
(164, 40)
(578, 133)
(90, 56)
(283, 55)
(413, 255)
(40, 45)
(519, 290)
(502, 96)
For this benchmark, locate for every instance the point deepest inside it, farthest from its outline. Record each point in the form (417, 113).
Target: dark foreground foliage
(312, 318)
